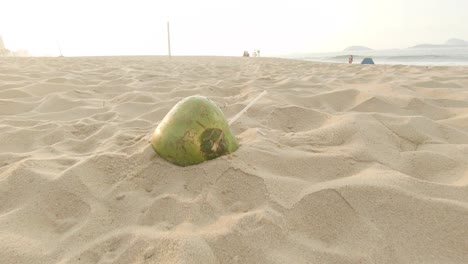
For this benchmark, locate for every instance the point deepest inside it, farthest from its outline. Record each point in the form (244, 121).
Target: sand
(338, 163)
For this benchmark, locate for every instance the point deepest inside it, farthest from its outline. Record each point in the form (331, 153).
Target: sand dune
(338, 163)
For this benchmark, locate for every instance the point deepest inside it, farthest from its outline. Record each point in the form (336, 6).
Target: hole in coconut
(212, 143)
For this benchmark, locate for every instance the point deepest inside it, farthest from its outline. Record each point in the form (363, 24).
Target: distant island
(357, 48)
(4, 52)
(456, 42)
(448, 44)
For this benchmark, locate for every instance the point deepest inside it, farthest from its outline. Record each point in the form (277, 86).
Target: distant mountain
(447, 44)
(426, 46)
(356, 48)
(456, 42)
(2, 45)
(3, 51)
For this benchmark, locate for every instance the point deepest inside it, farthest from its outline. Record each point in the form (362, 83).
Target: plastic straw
(246, 108)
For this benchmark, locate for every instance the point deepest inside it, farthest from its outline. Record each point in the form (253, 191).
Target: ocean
(410, 56)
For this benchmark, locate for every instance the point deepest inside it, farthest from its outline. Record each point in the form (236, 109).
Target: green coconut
(195, 130)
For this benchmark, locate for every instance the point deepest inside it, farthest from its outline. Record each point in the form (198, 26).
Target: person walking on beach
(350, 59)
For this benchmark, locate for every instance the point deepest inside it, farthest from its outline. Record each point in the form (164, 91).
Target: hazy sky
(217, 27)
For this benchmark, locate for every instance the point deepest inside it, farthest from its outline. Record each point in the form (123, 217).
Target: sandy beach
(338, 163)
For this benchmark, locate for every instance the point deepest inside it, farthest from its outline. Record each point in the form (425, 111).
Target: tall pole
(168, 39)
(60, 50)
